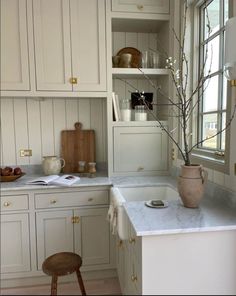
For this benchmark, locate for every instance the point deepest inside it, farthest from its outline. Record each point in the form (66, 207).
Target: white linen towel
(112, 217)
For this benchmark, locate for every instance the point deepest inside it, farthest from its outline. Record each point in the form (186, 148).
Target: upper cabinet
(69, 37)
(14, 46)
(147, 6)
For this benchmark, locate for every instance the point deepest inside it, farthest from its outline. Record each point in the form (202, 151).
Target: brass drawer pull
(7, 204)
(140, 7)
(73, 80)
(140, 169)
(53, 201)
(90, 199)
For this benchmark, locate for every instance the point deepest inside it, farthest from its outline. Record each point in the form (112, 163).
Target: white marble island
(180, 251)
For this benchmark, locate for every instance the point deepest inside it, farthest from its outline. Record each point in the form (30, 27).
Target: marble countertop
(216, 212)
(176, 218)
(20, 184)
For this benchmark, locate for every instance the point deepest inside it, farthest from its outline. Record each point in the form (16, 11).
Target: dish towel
(112, 217)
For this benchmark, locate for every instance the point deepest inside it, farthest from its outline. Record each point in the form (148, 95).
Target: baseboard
(45, 280)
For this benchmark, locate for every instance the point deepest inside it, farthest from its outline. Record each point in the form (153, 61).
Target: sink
(121, 195)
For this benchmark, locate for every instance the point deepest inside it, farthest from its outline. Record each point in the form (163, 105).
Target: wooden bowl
(10, 178)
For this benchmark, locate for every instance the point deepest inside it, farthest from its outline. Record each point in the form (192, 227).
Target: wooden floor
(92, 287)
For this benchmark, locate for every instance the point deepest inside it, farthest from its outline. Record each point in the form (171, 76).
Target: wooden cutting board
(77, 145)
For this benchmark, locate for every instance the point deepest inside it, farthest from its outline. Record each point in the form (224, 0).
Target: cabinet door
(139, 149)
(148, 6)
(15, 248)
(14, 46)
(92, 236)
(52, 45)
(88, 44)
(54, 233)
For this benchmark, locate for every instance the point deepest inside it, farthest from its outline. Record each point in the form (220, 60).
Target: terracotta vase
(191, 184)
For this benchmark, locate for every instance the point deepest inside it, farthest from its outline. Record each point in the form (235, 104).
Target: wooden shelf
(136, 73)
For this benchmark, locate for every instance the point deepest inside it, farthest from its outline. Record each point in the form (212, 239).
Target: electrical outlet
(25, 152)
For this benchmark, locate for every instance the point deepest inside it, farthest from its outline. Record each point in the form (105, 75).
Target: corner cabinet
(14, 46)
(74, 222)
(140, 150)
(69, 38)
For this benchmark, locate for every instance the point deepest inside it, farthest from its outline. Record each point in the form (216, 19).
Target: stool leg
(54, 285)
(81, 284)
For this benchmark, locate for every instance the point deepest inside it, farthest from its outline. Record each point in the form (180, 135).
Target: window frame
(207, 157)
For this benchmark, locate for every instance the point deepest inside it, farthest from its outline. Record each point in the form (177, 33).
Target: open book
(65, 180)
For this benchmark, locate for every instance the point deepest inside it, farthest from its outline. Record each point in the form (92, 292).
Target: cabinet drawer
(146, 6)
(69, 199)
(12, 203)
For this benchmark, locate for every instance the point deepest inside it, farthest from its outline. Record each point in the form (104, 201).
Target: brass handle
(220, 153)
(134, 278)
(73, 80)
(90, 199)
(53, 201)
(75, 219)
(140, 7)
(7, 204)
(132, 240)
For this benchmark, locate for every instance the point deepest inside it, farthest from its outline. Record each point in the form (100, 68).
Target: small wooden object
(60, 264)
(77, 145)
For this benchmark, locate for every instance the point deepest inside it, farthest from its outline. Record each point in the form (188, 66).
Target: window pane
(223, 133)
(226, 10)
(212, 59)
(209, 128)
(224, 99)
(213, 10)
(210, 95)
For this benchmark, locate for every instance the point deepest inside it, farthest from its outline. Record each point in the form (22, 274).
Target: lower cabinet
(15, 245)
(84, 231)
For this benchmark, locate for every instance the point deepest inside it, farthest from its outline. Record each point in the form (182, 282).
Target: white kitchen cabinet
(139, 150)
(15, 237)
(145, 6)
(14, 46)
(69, 37)
(75, 229)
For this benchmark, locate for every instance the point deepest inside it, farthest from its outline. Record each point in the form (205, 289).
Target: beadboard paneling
(36, 123)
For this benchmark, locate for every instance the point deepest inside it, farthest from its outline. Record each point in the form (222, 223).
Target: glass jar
(140, 113)
(125, 110)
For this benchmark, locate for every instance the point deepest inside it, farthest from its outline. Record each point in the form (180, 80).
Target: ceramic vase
(191, 185)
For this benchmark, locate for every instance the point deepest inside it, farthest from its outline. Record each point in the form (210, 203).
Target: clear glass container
(125, 110)
(140, 113)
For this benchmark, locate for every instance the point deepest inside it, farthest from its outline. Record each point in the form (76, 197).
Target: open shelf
(137, 123)
(127, 73)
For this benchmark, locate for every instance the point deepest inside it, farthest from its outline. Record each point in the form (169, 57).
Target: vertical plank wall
(36, 123)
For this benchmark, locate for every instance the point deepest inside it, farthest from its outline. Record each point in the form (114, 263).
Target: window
(213, 97)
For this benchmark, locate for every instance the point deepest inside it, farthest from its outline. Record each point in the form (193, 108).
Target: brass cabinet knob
(53, 201)
(75, 219)
(7, 204)
(120, 244)
(140, 169)
(90, 199)
(73, 80)
(134, 278)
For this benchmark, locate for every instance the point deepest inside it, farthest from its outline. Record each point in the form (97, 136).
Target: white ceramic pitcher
(52, 165)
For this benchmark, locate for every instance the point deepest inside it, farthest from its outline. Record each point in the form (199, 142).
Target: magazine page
(45, 180)
(66, 180)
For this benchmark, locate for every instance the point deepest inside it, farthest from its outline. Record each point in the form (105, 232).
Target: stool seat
(63, 263)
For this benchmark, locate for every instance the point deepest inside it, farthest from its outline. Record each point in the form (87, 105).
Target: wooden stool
(63, 263)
